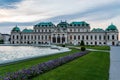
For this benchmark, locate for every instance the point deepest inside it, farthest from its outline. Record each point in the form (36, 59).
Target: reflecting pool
(15, 53)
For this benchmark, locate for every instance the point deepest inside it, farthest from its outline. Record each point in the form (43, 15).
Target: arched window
(91, 37)
(99, 37)
(13, 42)
(104, 37)
(46, 30)
(35, 37)
(86, 43)
(13, 37)
(82, 37)
(79, 37)
(38, 37)
(28, 37)
(25, 37)
(108, 37)
(45, 37)
(31, 37)
(87, 37)
(42, 37)
(74, 37)
(113, 37)
(70, 37)
(95, 37)
(117, 37)
(17, 37)
(49, 37)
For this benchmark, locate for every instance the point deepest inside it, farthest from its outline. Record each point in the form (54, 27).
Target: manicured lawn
(28, 63)
(99, 47)
(93, 66)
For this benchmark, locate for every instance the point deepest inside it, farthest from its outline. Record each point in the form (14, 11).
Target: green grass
(28, 63)
(99, 47)
(93, 66)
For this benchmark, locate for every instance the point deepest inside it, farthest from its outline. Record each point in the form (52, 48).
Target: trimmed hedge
(27, 74)
(83, 48)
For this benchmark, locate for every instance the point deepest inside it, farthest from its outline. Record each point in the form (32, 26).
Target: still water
(15, 53)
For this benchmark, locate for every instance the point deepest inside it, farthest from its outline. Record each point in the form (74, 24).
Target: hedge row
(27, 74)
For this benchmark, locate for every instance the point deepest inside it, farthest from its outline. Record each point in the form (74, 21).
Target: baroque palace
(67, 33)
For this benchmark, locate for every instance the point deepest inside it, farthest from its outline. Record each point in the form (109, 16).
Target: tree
(1, 41)
(82, 43)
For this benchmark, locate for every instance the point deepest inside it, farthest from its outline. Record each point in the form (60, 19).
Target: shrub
(82, 43)
(83, 48)
(63, 45)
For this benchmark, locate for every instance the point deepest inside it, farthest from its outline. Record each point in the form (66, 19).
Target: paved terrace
(114, 63)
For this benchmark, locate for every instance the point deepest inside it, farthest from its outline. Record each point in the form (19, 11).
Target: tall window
(95, 37)
(28, 37)
(31, 37)
(87, 37)
(79, 37)
(45, 37)
(38, 37)
(117, 37)
(70, 37)
(42, 37)
(104, 37)
(99, 37)
(25, 37)
(13, 37)
(49, 37)
(35, 37)
(113, 37)
(17, 37)
(74, 37)
(91, 37)
(108, 37)
(46, 30)
(82, 37)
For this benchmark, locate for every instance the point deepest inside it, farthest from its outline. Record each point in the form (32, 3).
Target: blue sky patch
(8, 3)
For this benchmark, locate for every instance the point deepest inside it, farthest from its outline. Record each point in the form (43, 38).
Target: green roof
(63, 24)
(97, 30)
(44, 24)
(82, 22)
(112, 28)
(27, 30)
(16, 29)
(79, 23)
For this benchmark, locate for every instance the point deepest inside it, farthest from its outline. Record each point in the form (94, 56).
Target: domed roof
(16, 29)
(97, 30)
(27, 30)
(112, 28)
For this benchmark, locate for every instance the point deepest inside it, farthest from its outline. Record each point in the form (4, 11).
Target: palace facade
(68, 33)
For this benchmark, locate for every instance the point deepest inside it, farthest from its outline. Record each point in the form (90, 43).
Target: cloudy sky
(26, 13)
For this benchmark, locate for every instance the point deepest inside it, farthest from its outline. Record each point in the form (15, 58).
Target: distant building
(69, 33)
(1, 36)
(6, 38)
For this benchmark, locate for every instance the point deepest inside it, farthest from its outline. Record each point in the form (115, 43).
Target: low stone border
(36, 70)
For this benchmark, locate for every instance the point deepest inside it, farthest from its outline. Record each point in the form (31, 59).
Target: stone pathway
(114, 73)
(89, 49)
